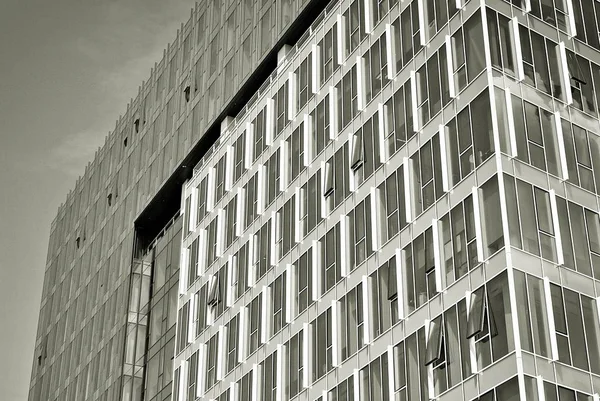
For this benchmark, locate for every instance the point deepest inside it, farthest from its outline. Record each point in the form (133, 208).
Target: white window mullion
(360, 83)
(368, 16)
(333, 112)
(265, 321)
(297, 213)
(308, 140)
(478, 224)
(400, 283)
(512, 136)
(231, 262)
(515, 38)
(375, 219)
(315, 67)
(316, 273)
(249, 154)
(240, 211)
(367, 305)
(306, 355)
(413, 100)
(221, 353)
(409, 192)
(444, 137)
(437, 248)
(423, 28)
(220, 232)
(341, 36)
(290, 291)
(243, 334)
(228, 170)
(183, 284)
(255, 396)
(253, 246)
(572, 27)
(276, 232)
(292, 95)
(551, 323)
(280, 372)
(260, 189)
(234, 393)
(565, 79)
(560, 258)
(390, 42)
(201, 251)
(270, 122)
(450, 66)
(383, 130)
(335, 333)
(345, 245)
(562, 154)
(210, 190)
(284, 165)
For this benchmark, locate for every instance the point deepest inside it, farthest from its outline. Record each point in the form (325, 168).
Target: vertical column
(437, 248)
(280, 372)
(193, 209)
(444, 134)
(256, 383)
(201, 251)
(450, 57)
(230, 272)
(220, 232)
(512, 137)
(260, 189)
(409, 192)
(298, 234)
(423, 28)
(210, 190)
(183, 272)
(376, 218)
(276, 233)
(383, 125)
(413, 100)
(192, 319)
(572, 28)
(201, 379)
(478, 226)
(307, 347)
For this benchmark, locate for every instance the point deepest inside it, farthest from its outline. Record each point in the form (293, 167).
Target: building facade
(387, 200)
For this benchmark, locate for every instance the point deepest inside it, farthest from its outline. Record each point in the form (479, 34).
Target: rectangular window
(340, 172)
(239, 151)
(193, 262)
(311, 203)
(428, 174)
(407, 35)
(322, 352)
(251, 194)
(304, 82)
(269, 378)
(367, 144)
(355, 25)
(220, 178)
(285, 236)
(399, 119)
(278, 299)
(376, 68)
(200, 310)
(583, 156)
(329, 54)
(296, 153)
(232, 345)
(260, 143)
(295, 365)
(347, 90)
(202, 195)
(420, 276)
(351, 317)
(240, 271)
(373, 382)
(254, 334)
(304, 288)
(331, 256)
(211, 243)
(392, 204)
(192, 375)
(281, 109)
(262, 250)
(272, 187)
(361, 244)
(211, 361)
(230, 218)
(385, 297)
(320, 130)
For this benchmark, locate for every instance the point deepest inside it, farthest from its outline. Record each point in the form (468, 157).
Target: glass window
(304, 279)
(385, 297)
(331, 271)
(269, 377)
(304, 82)
(360, 233)
(329, 54)
(281, 109)
(322, 345)
(278, 298)
(254, 334)
(392, 205)
(311, 203)
(295, 365)
(320, 130)
(296, 153)
(239, 154)
(351, 330)
(398, 119)
(355, 25)
(211, 361)
(260, 143)
(272, 185)
(232, 345)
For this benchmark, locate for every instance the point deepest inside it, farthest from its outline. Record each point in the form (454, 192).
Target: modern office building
(349, 200)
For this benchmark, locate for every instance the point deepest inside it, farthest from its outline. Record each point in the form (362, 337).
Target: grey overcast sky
(67, 70)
